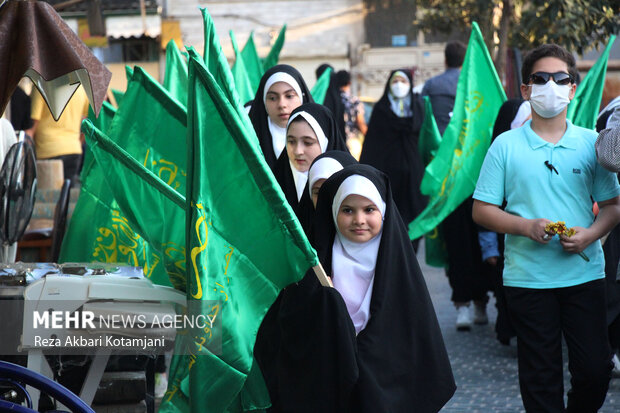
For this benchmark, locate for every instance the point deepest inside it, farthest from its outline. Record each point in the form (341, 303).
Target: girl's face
(280, 101)
(315, 190)
(358, 219)
(302, 145)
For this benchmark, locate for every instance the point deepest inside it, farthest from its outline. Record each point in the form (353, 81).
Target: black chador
(305, 348)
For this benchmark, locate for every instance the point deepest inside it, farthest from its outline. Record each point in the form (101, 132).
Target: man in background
(441, 89)
(60, 139)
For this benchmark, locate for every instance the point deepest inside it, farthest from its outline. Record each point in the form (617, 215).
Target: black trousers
(540, 318)
(465, 270)
(70, 165)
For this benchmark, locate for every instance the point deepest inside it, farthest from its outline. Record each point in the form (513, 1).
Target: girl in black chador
(363, 245)
(280, 91)
(311, 130)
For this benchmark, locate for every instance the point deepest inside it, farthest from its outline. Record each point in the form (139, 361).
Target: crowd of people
(540, 169)
(372, 342)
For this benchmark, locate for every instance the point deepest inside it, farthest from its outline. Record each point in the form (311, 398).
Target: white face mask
(400, 89)
(550, 99)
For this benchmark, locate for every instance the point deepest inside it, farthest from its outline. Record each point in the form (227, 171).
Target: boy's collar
(568, 140)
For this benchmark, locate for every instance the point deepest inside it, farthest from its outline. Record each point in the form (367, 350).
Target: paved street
(485, 371)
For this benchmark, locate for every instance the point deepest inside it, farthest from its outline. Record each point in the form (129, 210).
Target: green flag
(435, 253)
(319, 90)
(274, 54)
(156, 136)
(98, 232)
(175, 78)
(227, 264)
(240, 74)
(152, 208)
(128, 72)
(217, 65)
(118, 96)
(583, 109)
(430, 138)
(253, 65)
(453, 173)
(428, 144)
(106, 114)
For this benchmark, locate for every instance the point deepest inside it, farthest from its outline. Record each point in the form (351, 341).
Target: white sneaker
(463, 318)
(616, 371)
(480, 314)
(161, 385)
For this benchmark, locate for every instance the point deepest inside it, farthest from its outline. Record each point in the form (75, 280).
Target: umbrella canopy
(36, 42)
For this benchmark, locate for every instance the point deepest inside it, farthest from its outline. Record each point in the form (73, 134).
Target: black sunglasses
(560, 78)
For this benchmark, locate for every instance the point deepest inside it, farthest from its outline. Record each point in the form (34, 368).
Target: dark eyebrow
(303, 137)
(283, 93)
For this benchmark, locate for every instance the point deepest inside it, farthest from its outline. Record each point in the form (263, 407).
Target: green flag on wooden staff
(451, 176)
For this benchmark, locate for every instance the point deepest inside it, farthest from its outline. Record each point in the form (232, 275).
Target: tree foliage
(578, 25)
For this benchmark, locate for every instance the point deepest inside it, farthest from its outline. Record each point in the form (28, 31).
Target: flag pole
(322, 276)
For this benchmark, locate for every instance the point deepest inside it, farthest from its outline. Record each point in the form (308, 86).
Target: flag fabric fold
(583, 109)
(428, 144)
(106, 114)
(240, 73)
(175, 77)
(253, 64)
(451, 176)
(430, 138)
(217, 65)
(274, 54)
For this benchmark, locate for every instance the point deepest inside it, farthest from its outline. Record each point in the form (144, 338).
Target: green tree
(578, 25)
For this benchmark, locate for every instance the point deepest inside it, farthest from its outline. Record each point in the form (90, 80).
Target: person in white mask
(391, 143)
(547, 171)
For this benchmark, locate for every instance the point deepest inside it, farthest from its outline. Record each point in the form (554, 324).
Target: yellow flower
(559, 228)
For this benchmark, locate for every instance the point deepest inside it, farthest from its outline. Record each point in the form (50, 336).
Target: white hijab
(400, 106)
(301, 178)
(278, 134)
(278, 137)
(523, 113)
(322, 169)
(353, 264)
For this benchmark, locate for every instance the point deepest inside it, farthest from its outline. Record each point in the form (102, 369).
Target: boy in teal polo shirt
(547, 171)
